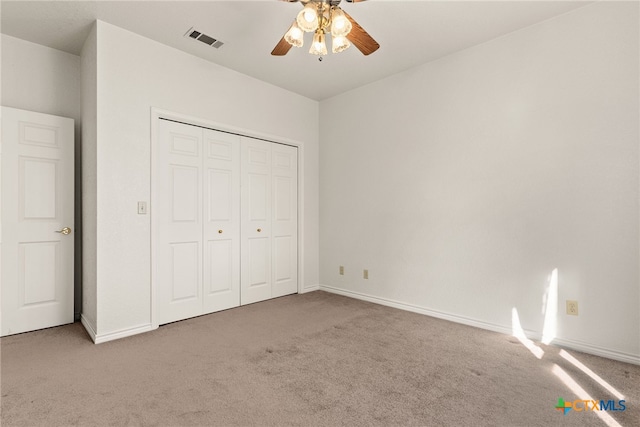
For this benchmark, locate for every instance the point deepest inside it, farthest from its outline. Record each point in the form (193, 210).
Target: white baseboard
(560, 342)
(110, 336)
(89, 327)
(596, 350)
(310, 289)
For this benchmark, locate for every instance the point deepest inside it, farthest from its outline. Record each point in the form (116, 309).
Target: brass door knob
(219, 231)
(64, 231)
(259, 230)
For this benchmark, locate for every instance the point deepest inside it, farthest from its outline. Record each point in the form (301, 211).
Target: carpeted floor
(316, 359)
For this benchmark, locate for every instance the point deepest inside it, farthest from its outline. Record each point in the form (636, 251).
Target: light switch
(142, 208)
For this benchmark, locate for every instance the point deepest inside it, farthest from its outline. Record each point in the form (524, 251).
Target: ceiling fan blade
(281, 48)
(360, 38)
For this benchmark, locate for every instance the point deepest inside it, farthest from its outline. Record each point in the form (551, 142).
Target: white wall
(45, 80)
(461, 184)
(38, 78)
(135, 74)
(89, 82)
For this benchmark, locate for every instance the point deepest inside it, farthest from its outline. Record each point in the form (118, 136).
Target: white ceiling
(409, 32)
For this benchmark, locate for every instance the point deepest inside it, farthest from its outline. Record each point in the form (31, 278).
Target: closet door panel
(258, 263)
(284, 220)
(258, 184)
(283, 258)
(221, 230)
(220, 274)
(185, 266)
(256, 221)
(179, 247)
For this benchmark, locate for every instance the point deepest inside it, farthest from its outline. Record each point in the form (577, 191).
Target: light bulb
(318, 47)
(339, 43)
(307, 19)
(294, 36)
(309, 15)
(340, 25)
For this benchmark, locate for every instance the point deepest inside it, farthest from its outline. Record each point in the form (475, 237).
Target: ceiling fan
(320, 17)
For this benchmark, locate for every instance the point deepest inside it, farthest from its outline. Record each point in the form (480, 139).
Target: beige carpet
(312, 359)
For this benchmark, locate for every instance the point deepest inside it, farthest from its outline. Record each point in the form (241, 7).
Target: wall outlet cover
(572, 308)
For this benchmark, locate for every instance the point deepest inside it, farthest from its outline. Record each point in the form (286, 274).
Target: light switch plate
(142, 208)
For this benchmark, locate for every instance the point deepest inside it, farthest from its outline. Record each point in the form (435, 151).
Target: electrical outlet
(365, 274)
(342, 270)
(572, 308)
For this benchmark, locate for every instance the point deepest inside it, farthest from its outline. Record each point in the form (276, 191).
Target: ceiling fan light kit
(320, 17)
(340, 25)
(295, 35)
(318, 47)
(339, 43)
(308, 18)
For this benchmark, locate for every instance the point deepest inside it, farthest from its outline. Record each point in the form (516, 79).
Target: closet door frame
(156, 115)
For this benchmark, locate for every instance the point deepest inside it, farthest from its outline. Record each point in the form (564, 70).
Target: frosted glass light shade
(339, 43)
(307, 19)
(295, 36)
(340, 25)
(318, 47)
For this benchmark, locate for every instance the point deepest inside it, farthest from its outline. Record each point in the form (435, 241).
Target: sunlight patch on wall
(551, 310)
(518, 332)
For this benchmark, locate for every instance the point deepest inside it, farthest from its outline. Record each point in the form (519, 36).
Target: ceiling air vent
(208, 40)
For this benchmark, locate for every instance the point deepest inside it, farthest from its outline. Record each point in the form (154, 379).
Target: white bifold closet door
(269, 220)
(226, 209)
(198, 249)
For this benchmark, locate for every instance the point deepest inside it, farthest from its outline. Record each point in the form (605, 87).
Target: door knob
(64, 231)
(259, 230)
(219, 231)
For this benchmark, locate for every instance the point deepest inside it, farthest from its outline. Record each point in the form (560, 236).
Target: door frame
(156, 115)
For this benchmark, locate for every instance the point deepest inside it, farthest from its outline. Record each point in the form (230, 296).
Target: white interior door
(222, 221)
(37, 220)
(179, 216)
(256, 221)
